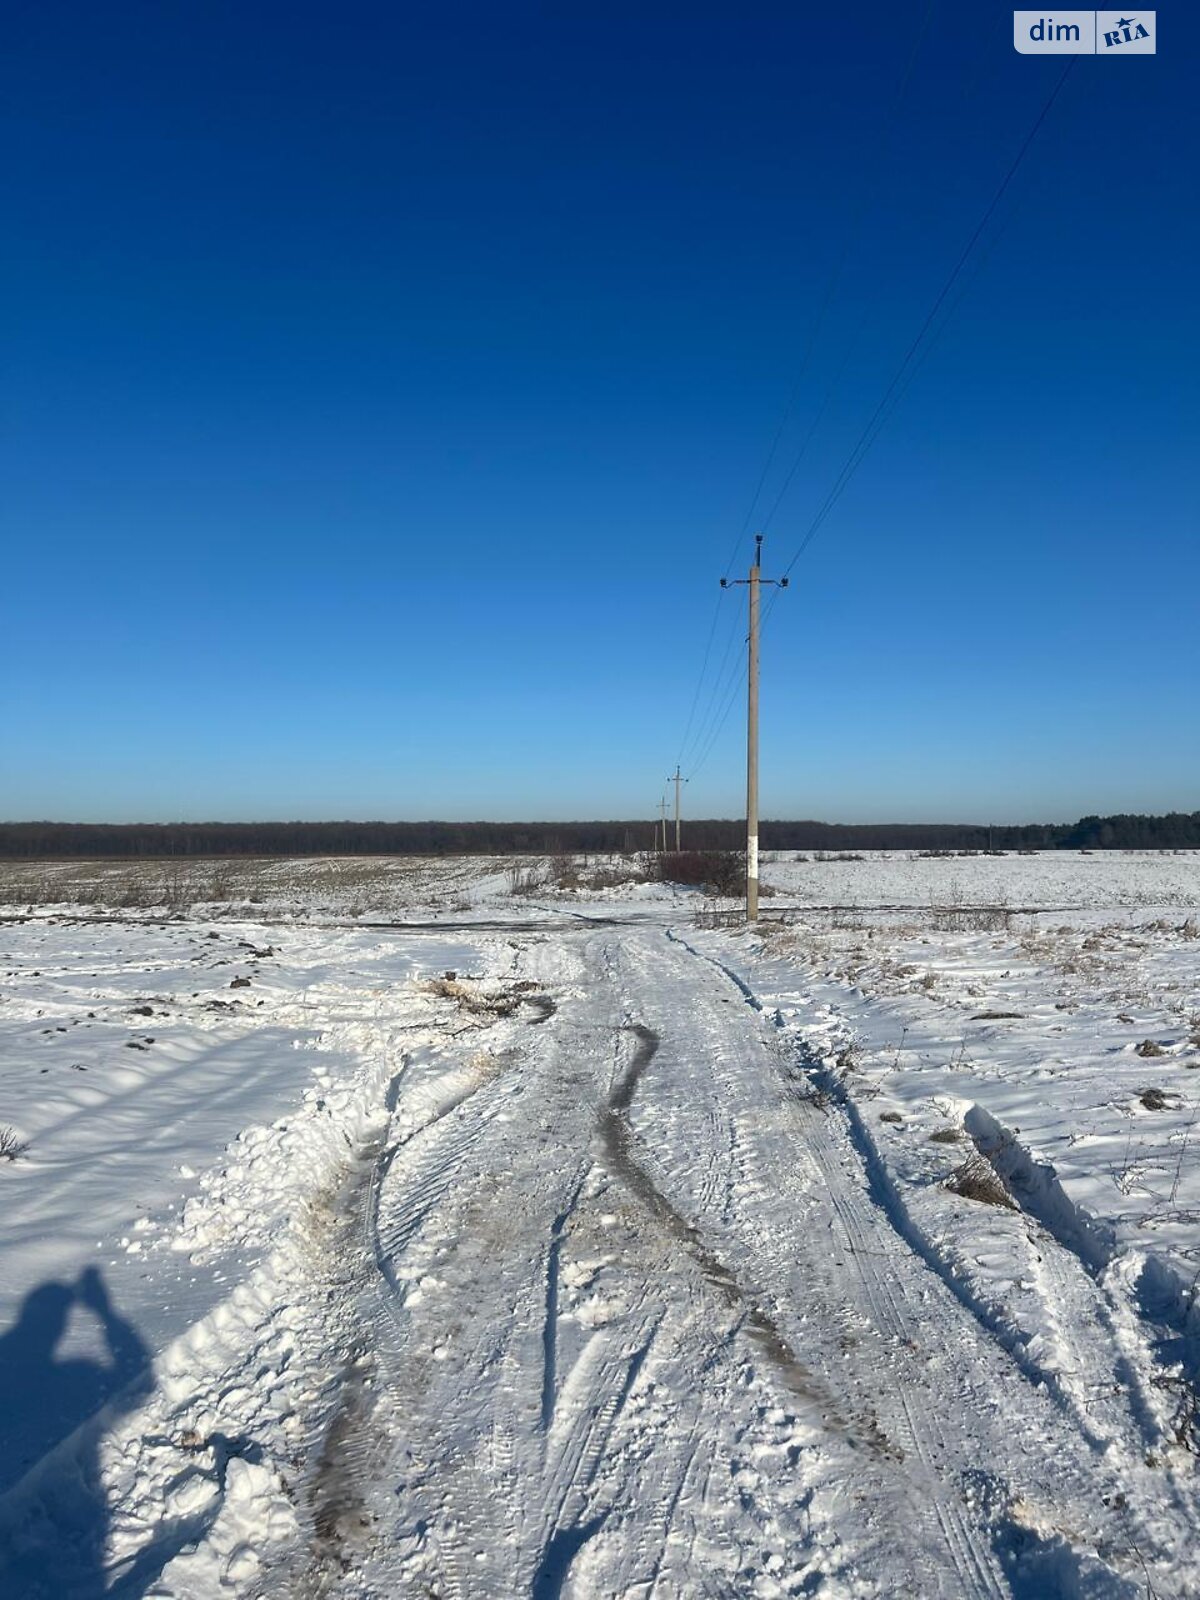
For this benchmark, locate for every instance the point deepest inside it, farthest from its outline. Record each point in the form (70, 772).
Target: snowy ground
(378, 1231)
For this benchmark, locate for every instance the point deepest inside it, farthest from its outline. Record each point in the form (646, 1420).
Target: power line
(815, 424)
(701, 731)
(700, 680)
(882, 413)
(714, 699)
(922, 356)
(867, 196)
(722, 703)
(721, 683)
(724, 718)
(724, 692)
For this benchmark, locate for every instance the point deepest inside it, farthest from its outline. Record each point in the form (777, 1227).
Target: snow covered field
(370, 1230)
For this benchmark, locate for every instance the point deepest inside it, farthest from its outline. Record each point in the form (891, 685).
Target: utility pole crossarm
(754, 582)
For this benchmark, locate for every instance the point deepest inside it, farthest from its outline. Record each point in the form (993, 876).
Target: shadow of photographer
(57, 1542)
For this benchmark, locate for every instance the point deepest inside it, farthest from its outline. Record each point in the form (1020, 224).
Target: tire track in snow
(609, 1366)
(587, 1411)
(579, 1476)
(1086, 1481)
(921, 1434)
(619, 1142)
(409, 1179)
(968, 1546)
(535, 1514)
(550, 1327)
(432, 1154)
(1068, 1284)
(577, 1423)
(1095, 1326)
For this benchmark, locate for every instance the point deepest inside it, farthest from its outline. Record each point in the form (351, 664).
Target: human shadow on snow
(54, 1527)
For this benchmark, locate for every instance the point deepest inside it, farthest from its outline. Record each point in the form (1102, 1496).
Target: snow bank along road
(581, 1272)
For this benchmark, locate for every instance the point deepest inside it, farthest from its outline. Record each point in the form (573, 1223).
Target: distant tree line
(1176, 831)
(38, 840)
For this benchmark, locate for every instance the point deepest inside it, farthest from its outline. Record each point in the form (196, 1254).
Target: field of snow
(372, 1230)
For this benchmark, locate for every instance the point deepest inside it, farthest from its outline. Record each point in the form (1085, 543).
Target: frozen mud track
(642, 1328)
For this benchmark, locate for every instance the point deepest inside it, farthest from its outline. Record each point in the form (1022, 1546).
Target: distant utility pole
(754, 581)
(677, 780)
(662, 822)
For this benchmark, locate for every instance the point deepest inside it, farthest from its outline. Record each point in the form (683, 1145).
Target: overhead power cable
(719, 678)
(700, 680)
(883, 411)
(719, 724)
(818, 418)
(724, 693)
(868, 194)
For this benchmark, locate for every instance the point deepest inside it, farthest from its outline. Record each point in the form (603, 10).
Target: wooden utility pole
(662, 812)
(677, 780)
(754, 582)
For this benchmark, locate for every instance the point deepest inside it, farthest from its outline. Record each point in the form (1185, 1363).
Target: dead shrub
(971, 919)
(11, 1145)
(847, 1058)
(717, 872)
(611, 878)
(645, 868)
(563, 872)
(474, 1000)
(977, 1179)
(1149, 1047)
(525, 878)
(1186, 1423)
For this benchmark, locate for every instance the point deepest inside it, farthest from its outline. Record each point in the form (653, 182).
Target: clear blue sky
(385, 389)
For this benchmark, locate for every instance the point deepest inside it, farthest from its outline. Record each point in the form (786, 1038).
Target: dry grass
(170, 886)
(977, 1179)
(526, 877)
(177, 886)
(11, 1146)
(474, 1000)
(1154, 1099)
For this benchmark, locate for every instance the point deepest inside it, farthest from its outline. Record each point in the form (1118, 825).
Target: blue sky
(386, 389)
